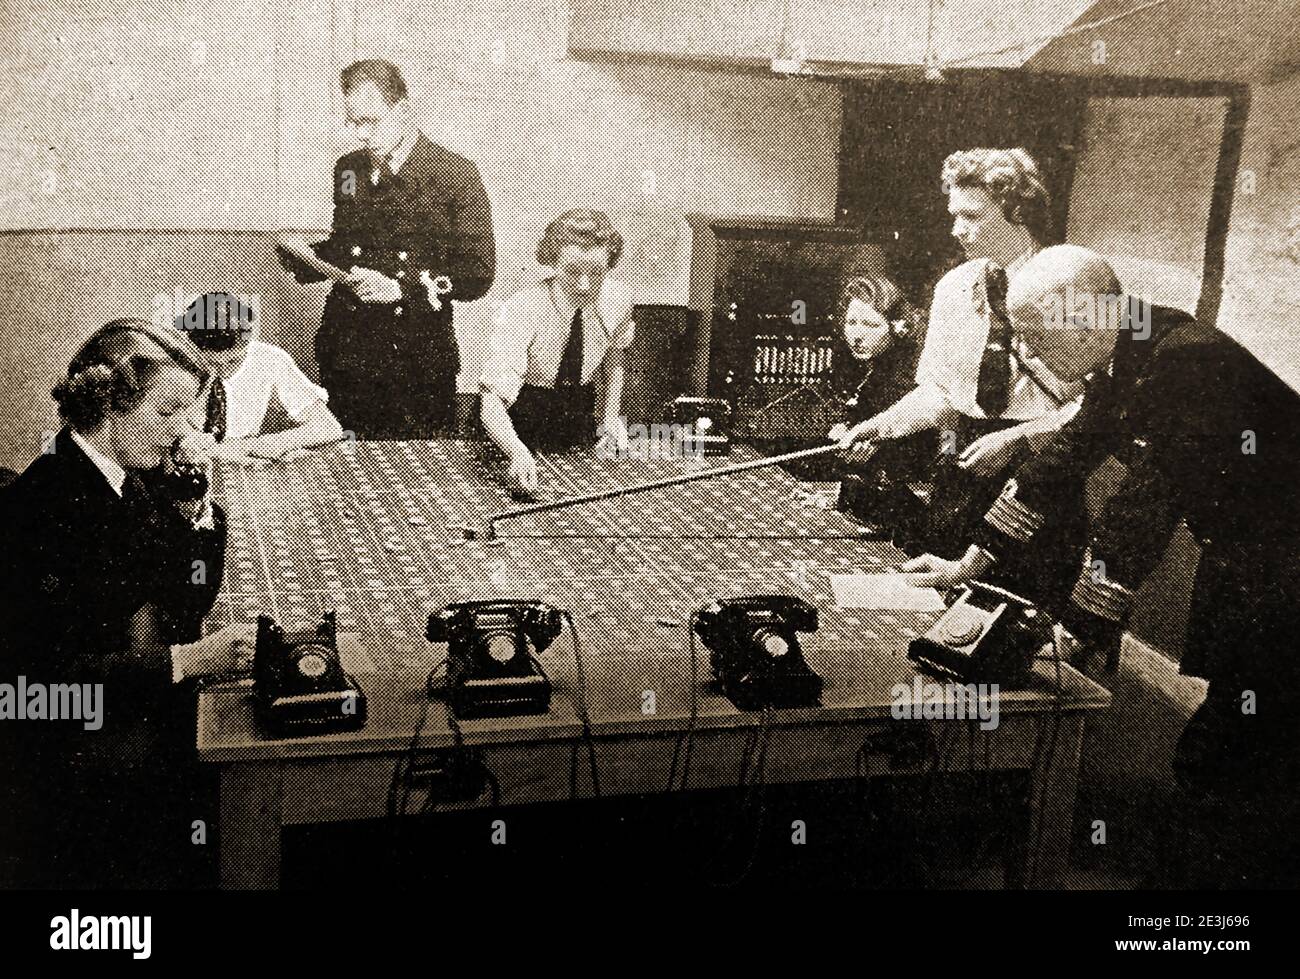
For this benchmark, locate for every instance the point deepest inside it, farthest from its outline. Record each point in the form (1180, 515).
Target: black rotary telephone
(987, 635)
(705, 424)
(492, 669)
(754, 650)
(299, 683)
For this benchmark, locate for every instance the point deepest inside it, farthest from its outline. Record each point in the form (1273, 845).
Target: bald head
(1055, 268)
(1067, 306)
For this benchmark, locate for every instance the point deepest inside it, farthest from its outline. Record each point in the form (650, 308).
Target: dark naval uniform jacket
(1211, 436)
(78, 564)
(390, 368)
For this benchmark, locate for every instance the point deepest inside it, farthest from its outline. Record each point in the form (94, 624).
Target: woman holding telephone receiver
(114, 555)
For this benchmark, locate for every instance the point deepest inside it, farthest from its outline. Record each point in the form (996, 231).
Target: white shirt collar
(1019, 262)
(113, 472)
(591, 312)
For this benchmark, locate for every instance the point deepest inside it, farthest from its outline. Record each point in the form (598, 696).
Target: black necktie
(570, 372)
(216, 423)
(134, 493)
(383, 169)
(993, 389)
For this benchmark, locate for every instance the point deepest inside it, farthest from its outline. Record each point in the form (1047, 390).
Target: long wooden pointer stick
(487, 531)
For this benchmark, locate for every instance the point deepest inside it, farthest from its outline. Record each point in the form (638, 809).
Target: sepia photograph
(712, 446)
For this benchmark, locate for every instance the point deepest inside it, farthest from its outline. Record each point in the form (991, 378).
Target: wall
(1261, 289)
(139, 138)
(1142, 206)
(897, 135)
(59, 285)
(138, 114)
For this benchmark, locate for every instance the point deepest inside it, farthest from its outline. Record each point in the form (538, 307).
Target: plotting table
(363, 528)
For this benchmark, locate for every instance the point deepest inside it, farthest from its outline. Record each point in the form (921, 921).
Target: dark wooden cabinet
(658, 362)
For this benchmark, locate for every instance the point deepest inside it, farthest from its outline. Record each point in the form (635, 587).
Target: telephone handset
(492, 645)
(794, 610)
(186, 476)
(755, 651)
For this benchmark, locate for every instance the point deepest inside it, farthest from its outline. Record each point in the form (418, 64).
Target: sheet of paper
(883, 591)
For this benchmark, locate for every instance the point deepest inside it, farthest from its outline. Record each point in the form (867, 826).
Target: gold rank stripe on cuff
(1012, 518)
(1102, 597)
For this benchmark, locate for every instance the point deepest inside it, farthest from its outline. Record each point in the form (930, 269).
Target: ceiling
(1198, 40)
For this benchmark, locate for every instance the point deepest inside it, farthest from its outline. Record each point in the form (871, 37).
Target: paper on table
(883, 591)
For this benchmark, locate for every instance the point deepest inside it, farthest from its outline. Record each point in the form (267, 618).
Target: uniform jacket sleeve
(1150, 425)
(471, 246)
(349, 171)
(194, 564)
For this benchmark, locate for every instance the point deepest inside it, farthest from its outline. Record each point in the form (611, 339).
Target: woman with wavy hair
(554, 373)
(113, 555)
(882, 334)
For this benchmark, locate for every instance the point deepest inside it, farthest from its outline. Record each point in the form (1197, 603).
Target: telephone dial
(755, 653)
(986, 635)
(299, 684)
(492, 648)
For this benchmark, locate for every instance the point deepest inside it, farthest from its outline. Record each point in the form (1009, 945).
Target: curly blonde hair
(1010, 177)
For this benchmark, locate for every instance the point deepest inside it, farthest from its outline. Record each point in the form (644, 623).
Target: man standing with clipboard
(412, 232)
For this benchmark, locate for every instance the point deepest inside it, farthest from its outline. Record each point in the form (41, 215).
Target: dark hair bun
(86, 396)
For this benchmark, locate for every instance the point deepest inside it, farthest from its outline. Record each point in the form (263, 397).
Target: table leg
(1053, 783)
(249, 834)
